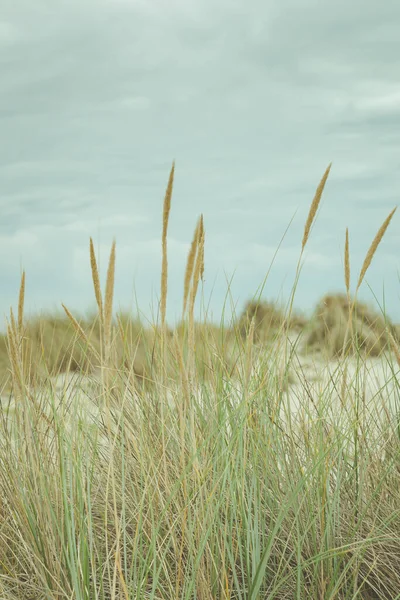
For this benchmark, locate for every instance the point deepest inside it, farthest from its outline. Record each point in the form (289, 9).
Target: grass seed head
(96, 280)
(164, 270)
(376, 241)
(21, 301)
(190, 264)
(109, 297)
(314, 207)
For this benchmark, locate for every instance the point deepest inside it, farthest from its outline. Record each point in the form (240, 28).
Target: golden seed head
(314, 207)
(376, 241)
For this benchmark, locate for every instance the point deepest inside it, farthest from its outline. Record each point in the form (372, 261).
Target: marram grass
(253, 483)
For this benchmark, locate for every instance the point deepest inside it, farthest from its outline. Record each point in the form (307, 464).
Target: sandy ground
(314, 381)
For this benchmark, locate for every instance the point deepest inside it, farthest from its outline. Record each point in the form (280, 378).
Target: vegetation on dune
(327, 330)
(269, 320)
(51, 346)
(205, 483)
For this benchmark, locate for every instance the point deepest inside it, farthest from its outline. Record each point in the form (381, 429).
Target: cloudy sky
(252, 100)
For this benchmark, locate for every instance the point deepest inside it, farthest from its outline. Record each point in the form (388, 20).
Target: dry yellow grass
(96, 280)
(198, 266)
(14, 330)
(21, 301)
(15, 341)
(375, 243)
(190, 264)
(314, 207)
(164, 268)
(75, 324)
(52, 347)
(349, 327)
(14, 360)
(178, 506)
(348, 342)
(269, 319)
(329, 328)
(103, 356)
(215, 348)
(109, 294)
(202, 237)
(249, 352)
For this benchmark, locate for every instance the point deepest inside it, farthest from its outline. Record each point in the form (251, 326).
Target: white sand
(316, 381)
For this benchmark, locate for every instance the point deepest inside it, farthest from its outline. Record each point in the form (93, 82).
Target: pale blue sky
(252, 99)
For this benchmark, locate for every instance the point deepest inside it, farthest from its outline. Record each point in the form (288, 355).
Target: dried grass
(176, 491)
(96, 280)
(249, 352)
(202, 237)
(109, 304)
(164, 269)
(329, 327)
(14, 329)
(314, 207)
(376, 241)
(14, 359)
(269, 319)
(190, 263)
(75, 324)
(198, 265)
(51, 343)
(21, 300)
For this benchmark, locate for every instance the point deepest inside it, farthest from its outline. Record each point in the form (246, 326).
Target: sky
(251, 99)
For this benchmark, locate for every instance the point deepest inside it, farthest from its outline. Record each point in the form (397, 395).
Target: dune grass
(328, 329)
(228, 493)
(269, 319)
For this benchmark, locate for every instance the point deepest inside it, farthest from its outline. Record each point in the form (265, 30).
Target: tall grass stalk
(239, 489)
(190, 264)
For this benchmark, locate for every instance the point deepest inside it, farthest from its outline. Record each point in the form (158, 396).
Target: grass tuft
(328, 329)
(267, 471)
(21, 301)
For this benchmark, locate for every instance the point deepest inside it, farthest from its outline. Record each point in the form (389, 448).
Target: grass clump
(54, 344)
(328, 326)
(232, 488)
(269, 319)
